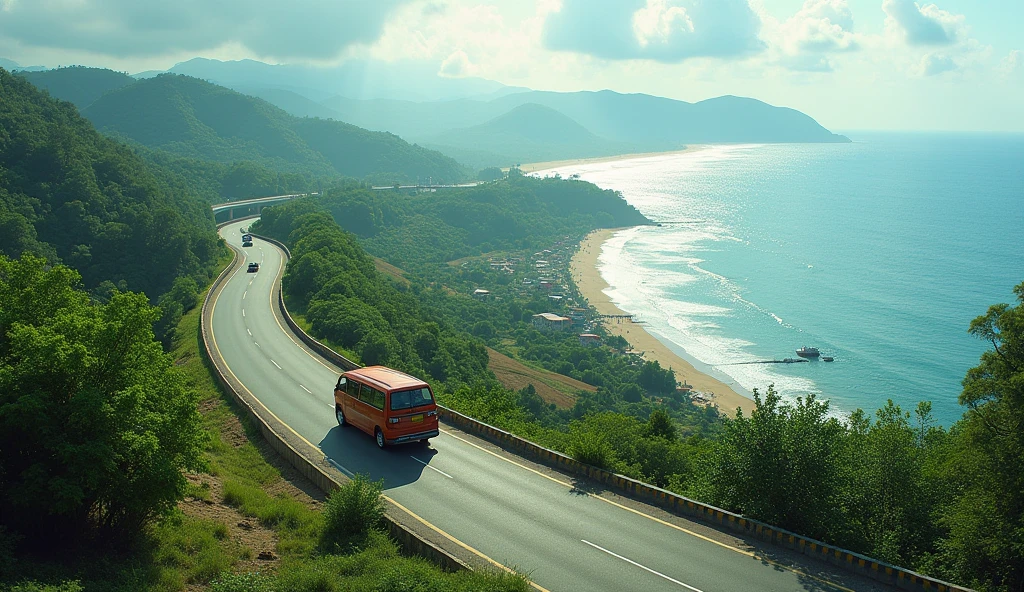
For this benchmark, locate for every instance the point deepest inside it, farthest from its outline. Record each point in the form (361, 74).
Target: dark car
(253, 267)
(247, 244)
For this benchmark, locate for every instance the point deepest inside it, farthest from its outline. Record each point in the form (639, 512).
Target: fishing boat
(808, 352)
(827, 358)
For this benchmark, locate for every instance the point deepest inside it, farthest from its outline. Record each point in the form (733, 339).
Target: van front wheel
(340, 415)
(380, 438)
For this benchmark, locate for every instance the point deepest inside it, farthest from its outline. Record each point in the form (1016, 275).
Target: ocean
(879, 253)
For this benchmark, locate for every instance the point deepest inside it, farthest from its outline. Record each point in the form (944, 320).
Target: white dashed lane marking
(647, 569)
(430, 467)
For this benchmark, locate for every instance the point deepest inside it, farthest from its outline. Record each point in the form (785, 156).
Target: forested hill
(78, 84)
(77, 197)
(519, 212)
(189, 117)
(527, 133)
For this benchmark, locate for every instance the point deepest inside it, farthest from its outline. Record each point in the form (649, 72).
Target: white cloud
(925, 40)
(807, 40)
(668, 31)
(659, 21)
(1013, 63)
(922, 25)
(303, 30)
(457, 65)
(933, 64)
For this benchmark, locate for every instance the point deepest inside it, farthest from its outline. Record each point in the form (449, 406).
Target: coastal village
(547, 275)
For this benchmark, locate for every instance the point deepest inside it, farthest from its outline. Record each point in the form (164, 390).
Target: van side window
(377, 399)
(352, 388)
(364, 393)
(341, 383)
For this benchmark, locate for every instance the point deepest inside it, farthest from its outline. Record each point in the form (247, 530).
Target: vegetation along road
(502, 507)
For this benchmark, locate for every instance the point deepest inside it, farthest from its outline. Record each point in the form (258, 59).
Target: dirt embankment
(551, 386)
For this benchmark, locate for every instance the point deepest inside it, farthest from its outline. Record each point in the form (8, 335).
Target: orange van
(390, 405)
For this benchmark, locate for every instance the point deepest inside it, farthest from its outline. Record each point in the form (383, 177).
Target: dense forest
(78, 84)
(227, 145)
(71, 195)
(96, 427)
(891, 484)
(432, 228)
(196, 119)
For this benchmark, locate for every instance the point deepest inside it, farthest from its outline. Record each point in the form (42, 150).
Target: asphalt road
(512, 513)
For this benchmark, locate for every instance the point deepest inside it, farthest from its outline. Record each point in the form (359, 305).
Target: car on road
(391, 406)
(253, 267)
(246, 243)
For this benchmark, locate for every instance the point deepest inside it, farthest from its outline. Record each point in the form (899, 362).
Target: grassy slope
(249, 512)
(550, 386)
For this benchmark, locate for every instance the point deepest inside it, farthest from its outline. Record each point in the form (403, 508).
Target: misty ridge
(479, 123)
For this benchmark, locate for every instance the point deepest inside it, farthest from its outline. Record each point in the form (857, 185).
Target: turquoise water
(880, 253)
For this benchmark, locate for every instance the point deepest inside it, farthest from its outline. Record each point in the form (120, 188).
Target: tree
(490, 174)
(985, 545)
(892, 508)
(660, 425)
(781, 465)
(96, 426)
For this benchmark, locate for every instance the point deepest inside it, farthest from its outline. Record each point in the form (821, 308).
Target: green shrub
(253, 581)
(68, 586)
(591, 448)
(351, 511)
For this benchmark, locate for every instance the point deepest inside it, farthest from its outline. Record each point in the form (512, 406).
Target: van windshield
(409, 399)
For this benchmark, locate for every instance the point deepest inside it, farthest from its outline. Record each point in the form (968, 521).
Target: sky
(850, 64)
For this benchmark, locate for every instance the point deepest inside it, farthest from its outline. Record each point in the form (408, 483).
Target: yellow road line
(460, 543)
(213, 343)
(288, 333)
(658, 520)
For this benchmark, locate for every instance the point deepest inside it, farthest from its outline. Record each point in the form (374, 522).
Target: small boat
(808, 352)
(827, 359)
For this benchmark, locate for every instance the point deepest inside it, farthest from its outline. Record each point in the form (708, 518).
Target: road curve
(502, 508)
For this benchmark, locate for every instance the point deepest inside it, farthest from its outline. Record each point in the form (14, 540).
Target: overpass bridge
(424, 187)
(250, 207)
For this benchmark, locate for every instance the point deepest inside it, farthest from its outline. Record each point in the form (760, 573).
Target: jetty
(783, 361)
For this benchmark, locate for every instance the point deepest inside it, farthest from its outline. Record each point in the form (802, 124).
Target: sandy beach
(587, 278)
(554, 164)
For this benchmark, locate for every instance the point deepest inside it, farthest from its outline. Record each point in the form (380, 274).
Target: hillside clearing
(551, 386)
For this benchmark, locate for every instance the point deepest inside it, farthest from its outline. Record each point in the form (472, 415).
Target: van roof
(388, 378)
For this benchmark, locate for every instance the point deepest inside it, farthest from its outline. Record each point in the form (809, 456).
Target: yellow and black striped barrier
(848, 560)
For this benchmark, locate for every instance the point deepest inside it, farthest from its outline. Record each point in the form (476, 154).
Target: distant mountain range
(193, 118)
(11, 66)
(80, 85)
(655, 122)
(375, 96)
(360, 79)
(479, 122)
(527, 133)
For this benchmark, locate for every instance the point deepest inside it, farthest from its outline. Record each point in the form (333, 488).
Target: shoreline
(586, 275)
(534, 167)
